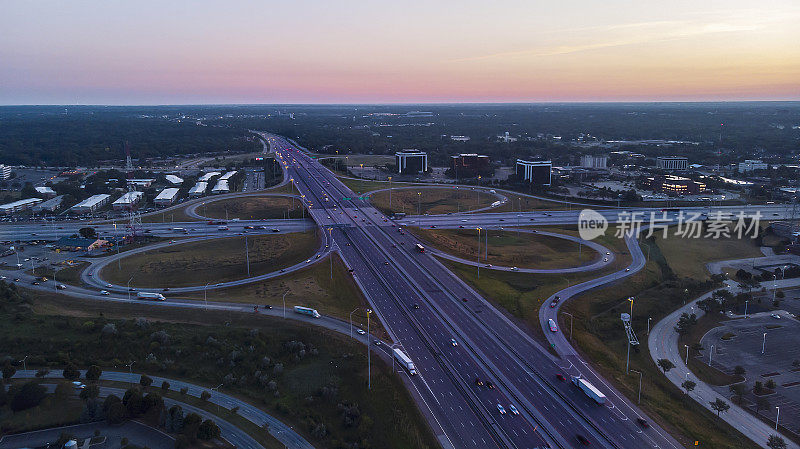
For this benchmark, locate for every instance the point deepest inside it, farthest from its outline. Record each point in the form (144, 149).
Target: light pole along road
(425, 306)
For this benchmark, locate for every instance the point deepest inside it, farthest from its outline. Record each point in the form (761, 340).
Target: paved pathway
(663, 344)
(137, 433)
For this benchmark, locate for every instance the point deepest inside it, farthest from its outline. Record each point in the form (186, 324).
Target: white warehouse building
(221, 187)
(127, 201)
(198, 189)
(92, 203)
(167, 196)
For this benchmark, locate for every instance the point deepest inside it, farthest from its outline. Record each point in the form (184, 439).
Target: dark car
(478, 382)
(561, 377)
(642, 422)
(490, 384)
(582, 439)
(267, 306)
(464, 299)
(416, 306)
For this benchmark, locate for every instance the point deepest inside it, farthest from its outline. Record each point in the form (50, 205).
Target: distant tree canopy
(85, 135)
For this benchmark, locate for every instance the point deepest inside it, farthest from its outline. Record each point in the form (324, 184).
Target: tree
(776, 442)
(688, 385)
(93, 373)
(205, 395)
(191, 423)
(719, 406)
(116, 413)
(29, 395)
(90, 392)
(71, 372)
(770, 384)
(758, 388)
(685, 322)
(43, 372)
(8, 371)
(145, 380)
(738, 390)
(696, 348)
(739, 370)
(165, 385)
(208, 430)
(88, 233)
(665, 365)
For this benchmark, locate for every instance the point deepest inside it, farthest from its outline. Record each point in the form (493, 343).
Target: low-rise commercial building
(411, 161)
(18, 206)
(535, 172)
(50, 205)
(174, 180)
(167, 196)
(141, 182)
(5, 171)
(92, 203)
(45, 191)
(198, 189)
(128, 201)
(228, 175)
(207, 177)
(221, 187)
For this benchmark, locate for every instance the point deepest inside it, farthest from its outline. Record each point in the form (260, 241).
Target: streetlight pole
(745, 308)
(687, 354)
(774, 286)
(369, 354)
(24, 365)
(247, 254)
(639, 396)
(205, 295)
(217, 388)
(570, 324)
(710, 353)
(764, 342)
(351, 321)
(479, 251)
(777, 416)
(390, 192)
(648, 325)
(129, 287)
(130, 371)
(284, 304)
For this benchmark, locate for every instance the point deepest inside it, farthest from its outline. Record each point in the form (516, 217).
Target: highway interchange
(425, 307)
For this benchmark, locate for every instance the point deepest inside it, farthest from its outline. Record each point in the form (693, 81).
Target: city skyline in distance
(353, 53)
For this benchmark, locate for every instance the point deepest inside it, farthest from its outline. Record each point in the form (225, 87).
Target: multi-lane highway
(456, 337)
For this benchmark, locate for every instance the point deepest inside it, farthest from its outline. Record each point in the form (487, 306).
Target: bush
(184, 391)
(208, 430)
(93, 373)
(205, 395)
(42, 372)
(8, 371)
(165, 385)
(145, 380)
(116, 413)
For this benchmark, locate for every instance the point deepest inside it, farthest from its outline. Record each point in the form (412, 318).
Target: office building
(411, 161)
(5, 171)
(92, 203)
(207, 177)
(535, 172)
(166, 197)
(595, 162)
(174, 180)
(228, 175)
(672, 163)
(50, 205)
(752, 164)
(221, 187)
(469, 164)
(45, 191)
(675, 185)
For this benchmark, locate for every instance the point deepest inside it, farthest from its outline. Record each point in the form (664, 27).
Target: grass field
(69, 275)
(50, 413)
(431, 200)
(508, 248)
(364, 185)
(518, 203)
(687, 256)
(212, 261)
(253, 208)
(310, 387)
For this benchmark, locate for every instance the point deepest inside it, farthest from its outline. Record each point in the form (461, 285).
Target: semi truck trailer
(404, 360)
(589, 389)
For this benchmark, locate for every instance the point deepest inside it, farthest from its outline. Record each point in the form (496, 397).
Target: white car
(513, 409)
(776, 316)
(453, 342)
(360, 331)
(605, 259)
(79, 385)
(104, 292)
(501, 409)
(552, 325)
(514, 269)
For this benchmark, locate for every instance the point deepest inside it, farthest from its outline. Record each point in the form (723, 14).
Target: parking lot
(742, 346)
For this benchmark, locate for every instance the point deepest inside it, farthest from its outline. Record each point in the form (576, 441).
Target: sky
(437, 51)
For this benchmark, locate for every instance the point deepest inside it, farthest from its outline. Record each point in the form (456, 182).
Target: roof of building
(168, 194)
(228, 175)
(19, 203)
(173, 179)
(222, 185)
(93, 200)
(46, 190)
(200, 187)
(129, 198)
(208, 176)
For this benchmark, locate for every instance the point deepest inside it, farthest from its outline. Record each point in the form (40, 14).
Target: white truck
(589, 389)
(151, 296)
(404, 360)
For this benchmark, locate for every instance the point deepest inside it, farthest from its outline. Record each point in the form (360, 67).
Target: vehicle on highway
(150, 296)
(552, 325)
(582, 439)
(222, 228)
(78, 385)
(404, 360)
(490, 384)
(416, 306)
(776, 316)
(553, 303)
(642, 422)
(307, 311)
(361, 331)
(514, 269)
(453, 342)
(501, 409)
(275, 230)
(419, 248)
(104, 292)
(61, 287)
(478, 382)
(560, 377)
(590, 390)
(513, 409)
